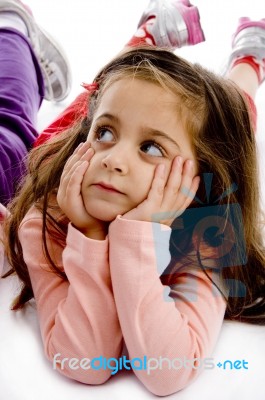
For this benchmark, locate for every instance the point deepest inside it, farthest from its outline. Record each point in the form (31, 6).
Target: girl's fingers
(70, 167)
(72, 173)
(185, 192)
(192, 192)
(179, 182)
(73, 187)
(180, 189)
(173, 181)
(67, 175)
(87, 155)
(69, 191)
(78, 147)
(156, 191)
(82, 147)
(79, 152)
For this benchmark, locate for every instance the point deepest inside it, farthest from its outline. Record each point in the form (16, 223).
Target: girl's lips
(106, 187)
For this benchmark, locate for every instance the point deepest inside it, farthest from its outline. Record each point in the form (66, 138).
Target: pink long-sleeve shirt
(114, 296)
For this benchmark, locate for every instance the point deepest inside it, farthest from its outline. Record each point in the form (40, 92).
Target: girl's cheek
(93, 161)
(96, 161)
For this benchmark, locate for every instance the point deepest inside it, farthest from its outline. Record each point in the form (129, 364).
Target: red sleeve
(76, 109)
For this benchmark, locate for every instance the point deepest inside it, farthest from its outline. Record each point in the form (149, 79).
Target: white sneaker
(53, 62)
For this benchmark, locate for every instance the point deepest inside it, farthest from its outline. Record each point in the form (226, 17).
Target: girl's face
(135, 128)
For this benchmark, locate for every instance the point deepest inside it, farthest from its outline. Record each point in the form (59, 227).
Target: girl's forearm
(78, 318)
(154, 325)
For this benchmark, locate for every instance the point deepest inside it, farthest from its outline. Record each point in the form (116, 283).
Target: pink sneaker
(173, 23)
(248, 45)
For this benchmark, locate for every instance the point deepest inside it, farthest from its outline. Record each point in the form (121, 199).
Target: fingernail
(179, 160)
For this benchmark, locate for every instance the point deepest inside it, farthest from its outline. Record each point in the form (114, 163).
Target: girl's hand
(168, 197)
(69, 196)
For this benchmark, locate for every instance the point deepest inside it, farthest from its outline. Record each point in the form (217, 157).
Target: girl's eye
(104, 135)
(152, 149)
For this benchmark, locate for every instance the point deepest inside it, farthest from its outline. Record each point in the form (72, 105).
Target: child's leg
(247, 60)
(21, 92)
(25, 51)
(166, 23)
(245, 77)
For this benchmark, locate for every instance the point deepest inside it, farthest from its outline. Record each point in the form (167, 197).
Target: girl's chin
(105, 210)
(105, 215)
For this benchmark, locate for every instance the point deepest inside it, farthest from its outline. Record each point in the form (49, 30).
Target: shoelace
(46, 65)
(48, 71)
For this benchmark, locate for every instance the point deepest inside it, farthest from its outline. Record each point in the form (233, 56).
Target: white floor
(92, 32)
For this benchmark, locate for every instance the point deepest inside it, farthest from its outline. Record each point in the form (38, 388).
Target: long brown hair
(217, 118)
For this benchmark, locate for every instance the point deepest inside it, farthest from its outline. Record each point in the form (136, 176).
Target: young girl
(106, 219)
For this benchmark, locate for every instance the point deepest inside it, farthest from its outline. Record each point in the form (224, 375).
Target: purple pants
(21, 94)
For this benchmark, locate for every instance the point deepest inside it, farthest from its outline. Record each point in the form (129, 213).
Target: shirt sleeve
(78, 318)
(156, 324)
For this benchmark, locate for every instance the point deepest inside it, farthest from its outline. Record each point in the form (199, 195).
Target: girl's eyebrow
(109, 116)
(162, 135)
(155, 133)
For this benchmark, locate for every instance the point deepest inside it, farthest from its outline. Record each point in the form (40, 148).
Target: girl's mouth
(106, 187)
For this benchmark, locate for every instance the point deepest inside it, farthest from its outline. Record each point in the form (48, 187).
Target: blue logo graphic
(212, 231)
(229, 364)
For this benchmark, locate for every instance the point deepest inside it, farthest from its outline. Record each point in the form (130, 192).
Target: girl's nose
(115, 161)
